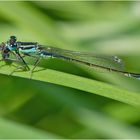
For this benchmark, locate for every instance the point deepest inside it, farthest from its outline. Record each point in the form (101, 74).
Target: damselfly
(37, 51)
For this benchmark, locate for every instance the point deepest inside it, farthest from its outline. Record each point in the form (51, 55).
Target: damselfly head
(12, 39)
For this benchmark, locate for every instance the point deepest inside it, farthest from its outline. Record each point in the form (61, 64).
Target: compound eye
(13, 38)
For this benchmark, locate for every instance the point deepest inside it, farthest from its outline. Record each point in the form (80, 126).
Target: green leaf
(106, 125)
(78, 82)
(10, 129)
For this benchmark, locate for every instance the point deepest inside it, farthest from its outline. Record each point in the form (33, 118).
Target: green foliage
(63, 99)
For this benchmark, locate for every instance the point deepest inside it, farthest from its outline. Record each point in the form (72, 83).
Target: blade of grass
(79, 83)
(121, 111)
(10, 129)
(107, 126)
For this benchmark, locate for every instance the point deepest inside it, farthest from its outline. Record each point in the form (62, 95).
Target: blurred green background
(31, 109)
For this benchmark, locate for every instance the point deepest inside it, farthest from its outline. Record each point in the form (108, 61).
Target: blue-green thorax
(28, 50)
(12, 47)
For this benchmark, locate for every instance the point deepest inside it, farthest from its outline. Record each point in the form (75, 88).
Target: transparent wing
(112, 62)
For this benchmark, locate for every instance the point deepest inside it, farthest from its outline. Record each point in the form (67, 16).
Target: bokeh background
(32, 109)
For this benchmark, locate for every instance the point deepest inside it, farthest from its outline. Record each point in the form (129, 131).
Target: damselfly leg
(11, 58)
(22, 59)
(36, 63)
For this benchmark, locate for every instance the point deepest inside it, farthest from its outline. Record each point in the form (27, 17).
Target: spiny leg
(35, 64)
(22, 67)
(19, 59)
(16, 70)
(17, 67)
(23, 60)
